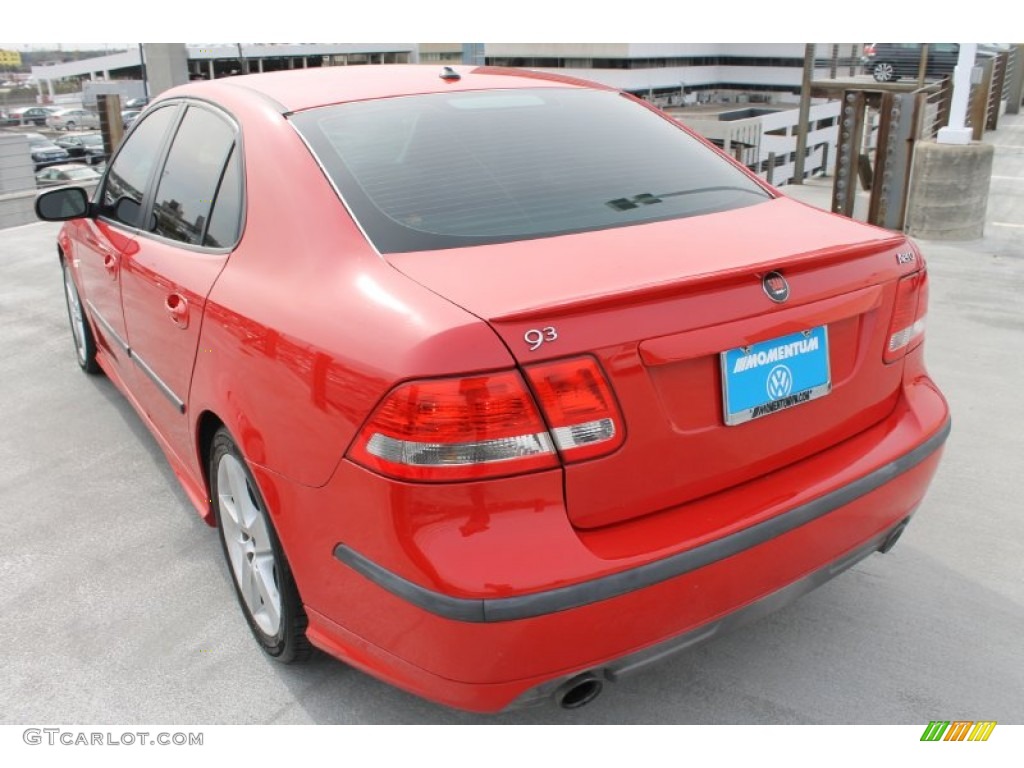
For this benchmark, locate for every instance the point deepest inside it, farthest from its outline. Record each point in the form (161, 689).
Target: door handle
(177, 307)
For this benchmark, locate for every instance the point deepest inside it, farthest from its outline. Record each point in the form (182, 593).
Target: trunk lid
(657, 304)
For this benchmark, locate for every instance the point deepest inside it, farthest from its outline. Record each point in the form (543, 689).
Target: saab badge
(775, 287)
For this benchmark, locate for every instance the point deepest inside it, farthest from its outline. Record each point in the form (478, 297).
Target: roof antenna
(449, 75)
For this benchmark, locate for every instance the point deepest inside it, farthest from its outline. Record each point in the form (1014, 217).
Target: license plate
(774, 375)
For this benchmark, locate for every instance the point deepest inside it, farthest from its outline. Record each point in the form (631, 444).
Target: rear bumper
(624, 582)
(633, 662)
(445, 601)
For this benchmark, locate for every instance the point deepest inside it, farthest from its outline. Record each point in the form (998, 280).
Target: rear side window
(191, 176)
(456, 169)
(126, 182)
(227, 210)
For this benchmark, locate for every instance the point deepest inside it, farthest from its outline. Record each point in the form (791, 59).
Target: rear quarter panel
(307, 327)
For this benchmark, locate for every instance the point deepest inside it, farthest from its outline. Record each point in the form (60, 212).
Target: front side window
(121, 199)
(190, 178)
(456, 169)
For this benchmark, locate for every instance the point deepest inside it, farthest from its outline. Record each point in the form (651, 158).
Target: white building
(704, 72)
(212, 60)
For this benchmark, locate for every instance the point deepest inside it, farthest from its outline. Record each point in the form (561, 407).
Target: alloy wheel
(77, 318)
(248, 545)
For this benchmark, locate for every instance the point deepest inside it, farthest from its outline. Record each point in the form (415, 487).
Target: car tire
(883, 72)
(69, 126)
(81, 333)
(259, 569)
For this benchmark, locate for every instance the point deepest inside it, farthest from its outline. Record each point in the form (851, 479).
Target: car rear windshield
(468, 168)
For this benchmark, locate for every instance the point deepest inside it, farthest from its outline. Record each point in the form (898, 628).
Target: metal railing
(934, 107)
(988, 93)
(1010, 67)
(998, 85)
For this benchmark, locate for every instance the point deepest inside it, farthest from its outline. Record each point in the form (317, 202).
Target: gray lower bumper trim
(576, 595)
(625, 665)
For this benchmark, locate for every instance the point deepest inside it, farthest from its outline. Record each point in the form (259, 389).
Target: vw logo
(780, 382)
(776, 287)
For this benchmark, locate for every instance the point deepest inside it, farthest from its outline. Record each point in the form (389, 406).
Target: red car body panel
(477, 593)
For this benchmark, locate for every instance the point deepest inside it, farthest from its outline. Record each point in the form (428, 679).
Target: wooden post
(805, 114)
(979, 107)
(922, 66)
(996, 96)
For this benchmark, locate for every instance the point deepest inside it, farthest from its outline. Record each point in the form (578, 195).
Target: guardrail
(988, 93)
(766, 139)
(934, 108)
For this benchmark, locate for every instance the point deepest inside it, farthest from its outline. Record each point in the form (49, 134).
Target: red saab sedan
(498, 385)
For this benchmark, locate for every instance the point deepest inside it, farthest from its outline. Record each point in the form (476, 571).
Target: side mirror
(62, 204)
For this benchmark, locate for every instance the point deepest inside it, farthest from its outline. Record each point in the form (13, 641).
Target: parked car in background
(887, 62)
(86, 146)
(7, 119)
(136, 103)
(70, 173)
(70, 119)
(44, 152)
(498, 384)
(128, 116)
(31, 115)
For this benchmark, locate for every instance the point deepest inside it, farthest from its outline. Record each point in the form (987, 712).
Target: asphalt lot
(119, 609)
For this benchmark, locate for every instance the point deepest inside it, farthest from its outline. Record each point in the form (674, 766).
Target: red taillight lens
(578, 404)
(456, 429)
(906, 329)
(490, 426)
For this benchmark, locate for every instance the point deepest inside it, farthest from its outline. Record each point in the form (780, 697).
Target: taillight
(490, 425)
(906, 329)
(578, 404)
(456, 429)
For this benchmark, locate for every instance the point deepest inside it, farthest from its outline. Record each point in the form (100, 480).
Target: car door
(102, 242)
(192, 222)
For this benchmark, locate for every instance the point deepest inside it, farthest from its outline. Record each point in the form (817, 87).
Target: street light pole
(145, 77)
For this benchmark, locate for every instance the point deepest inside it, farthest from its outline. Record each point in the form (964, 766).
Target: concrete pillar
(166, 66)
(210, 62)
(259, 64)
(949, 190)
(957, 131)
(305, 64)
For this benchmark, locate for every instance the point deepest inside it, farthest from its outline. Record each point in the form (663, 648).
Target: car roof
(297, 90)
(68, 167)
